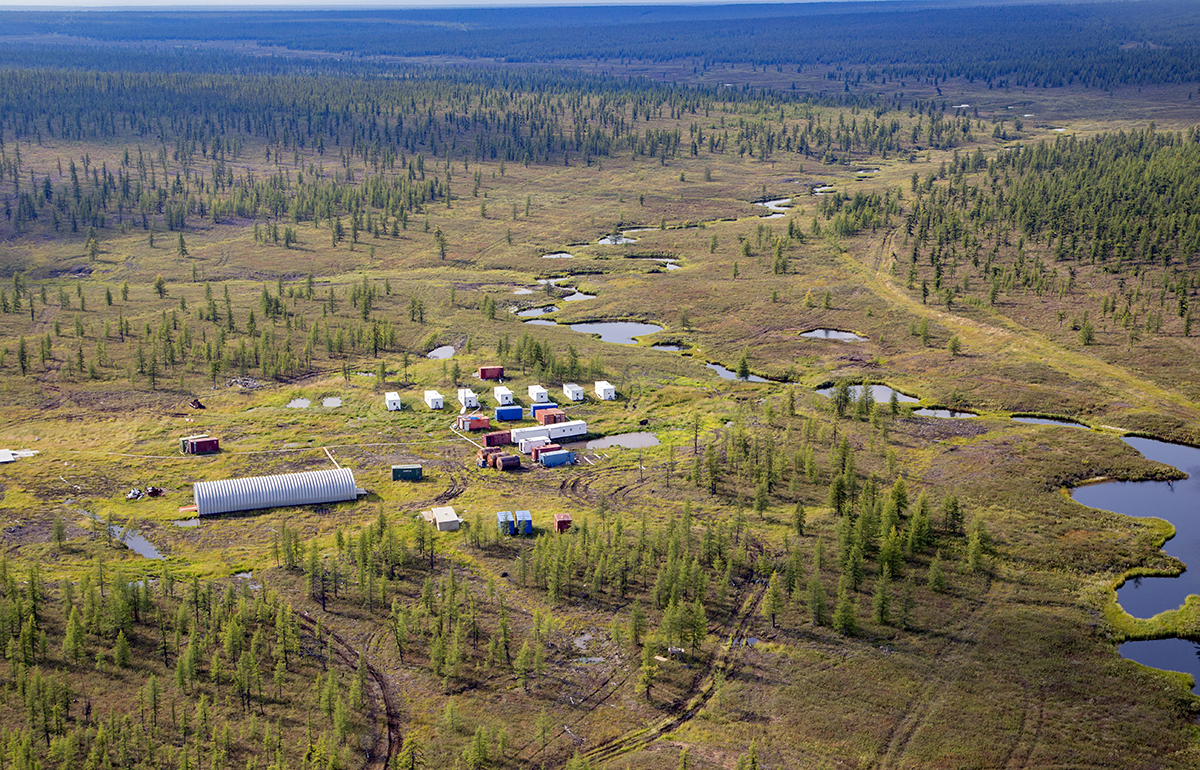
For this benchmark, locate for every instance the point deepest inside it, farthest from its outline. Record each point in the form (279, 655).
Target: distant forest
(1096, 45)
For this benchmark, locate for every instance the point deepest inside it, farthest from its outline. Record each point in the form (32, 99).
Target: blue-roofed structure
(506, 523)
(524, 523)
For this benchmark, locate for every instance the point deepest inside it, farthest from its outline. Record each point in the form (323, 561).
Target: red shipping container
(491, 373)
(537, 452)
(562, 522)
(205, 446)
(473, 422)
(499, 438)
(550, 416)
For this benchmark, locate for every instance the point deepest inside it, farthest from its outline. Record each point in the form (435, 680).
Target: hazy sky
(58, 5)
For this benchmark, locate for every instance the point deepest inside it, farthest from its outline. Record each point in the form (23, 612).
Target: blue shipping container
(554, 459)
(535, 408)
(509, 413)
(506, 523)
(524, 523)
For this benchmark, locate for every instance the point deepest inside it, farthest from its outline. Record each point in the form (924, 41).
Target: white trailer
(527, 445)
(467, 398)
(533, 431)
(573, 391)
(538, 394)
(605, 391)
(571, 429)
(433, 399)
(392, 401)
(503, 395)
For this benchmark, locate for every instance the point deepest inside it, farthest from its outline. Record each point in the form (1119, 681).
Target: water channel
(725, 374)
(1176, 502)
(881, 394)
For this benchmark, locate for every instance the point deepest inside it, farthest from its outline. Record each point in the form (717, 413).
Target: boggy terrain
(784, 579)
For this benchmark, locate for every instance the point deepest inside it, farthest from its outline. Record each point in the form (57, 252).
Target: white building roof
(255, 492)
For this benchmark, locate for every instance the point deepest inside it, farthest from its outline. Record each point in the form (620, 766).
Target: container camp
(503, 395)
(410, 472)
(562, 522)
(472, 422)
(538, 394)
(524, 523)
(569, 429)
(550, 416)
(490, 373)
(433, 399)
(533, 431)
(392, 401)
(257, 492)
(535, 408)
(556, 458)
(497, 438)
(467, 398)
(527, 445)
(506, 523)
(537, 453)
(605, 391)
(509, 413)
(573, 391)
(508, 463)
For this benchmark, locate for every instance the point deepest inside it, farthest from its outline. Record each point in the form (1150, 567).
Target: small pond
(725, 374)
(299, 403)
(132, 540)
(577, 295)
(523, 291)
(640, 440)
(832, 334)
(823, 190)
(445, 351)
(943, 413)
(881, 394)
(669, 348)
(618, 332)
(616, 240)
(541, 322)
(1168, 654)
(331, 402)
(534, 312)
(186, 522)
(558, 255)
(776, 207)
(1050, 421)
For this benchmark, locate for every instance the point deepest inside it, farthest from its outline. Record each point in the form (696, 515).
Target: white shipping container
(527, 445)
(433, 399)
(391, 399)
(573, 391)
(503, 395)
(467, 398)
(538, 394)
(533, 431)
(569, 429)
(605, 391)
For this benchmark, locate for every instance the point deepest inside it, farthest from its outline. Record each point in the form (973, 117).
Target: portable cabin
(605, 391)
(204, 446)
(538, 394)
(445, 519)
(509, 413)
(506, 523)
(524, 523)
(503, 395)
(573, 391)
(497, 438)
(551, 416)
(185, 443)
(507, 462)
(537, 453)
(528, 445)
(472, 422)
(535, 408)
(532, 431)
(569, 429)
(556, 458)
(411, 472)
(392, 401)
(490, 373)
(433, 399)
(562, 522)
(467, 398)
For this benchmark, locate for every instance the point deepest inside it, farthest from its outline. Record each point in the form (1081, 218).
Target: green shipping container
(406, 473)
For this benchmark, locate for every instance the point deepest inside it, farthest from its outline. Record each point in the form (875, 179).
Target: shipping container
(204, 446)
(556, 458)
(467, 398)
(392, 401)
(538, 394)
(497, 438)
(490, 373)
(533, 431)
(569, 429)
(536, 454)
(472, 422)
(562, 522)
(573, 392)
(433, 399)
(410, 472)
(550, 416)
(507, 462)
(506, 523)
(605, 391)
(446, 520)
(503, 395)
(524, 523)
(509, 413)
(535, 408)
(527, 445)
(185, 443)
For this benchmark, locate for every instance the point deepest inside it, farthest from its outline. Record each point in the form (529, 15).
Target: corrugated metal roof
(255, 492)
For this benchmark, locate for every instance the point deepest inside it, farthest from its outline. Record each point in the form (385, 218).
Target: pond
(534, 312)
(881, 394)
(558, 255)
(1175, 501)
(778, 208)
(669, 348)
(445, 351)
(725, 374)
(577, 295)
(299, 403)
(944, 413)
(523, 291)
(541, 322)
(616, 240)
(132, 540)
(832, 334)
(823, 190)
(331, 402)
(618, 332)
(640, 440)
(1064, 422)
(186, 522)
